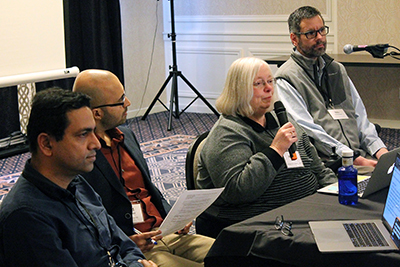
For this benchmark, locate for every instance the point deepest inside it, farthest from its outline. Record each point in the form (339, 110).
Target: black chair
(192, 159)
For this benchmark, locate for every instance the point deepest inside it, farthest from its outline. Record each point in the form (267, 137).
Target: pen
(148, 239)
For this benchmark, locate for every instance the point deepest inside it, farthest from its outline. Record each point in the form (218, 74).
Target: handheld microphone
(375, 50)
(282, 117)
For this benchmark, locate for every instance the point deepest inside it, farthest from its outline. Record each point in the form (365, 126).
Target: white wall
(143, 53)
(207, 45)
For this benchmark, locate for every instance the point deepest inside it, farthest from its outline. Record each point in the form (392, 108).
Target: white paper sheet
(190, 204)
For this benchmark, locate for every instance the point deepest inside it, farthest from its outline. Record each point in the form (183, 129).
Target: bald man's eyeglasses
(113, 105)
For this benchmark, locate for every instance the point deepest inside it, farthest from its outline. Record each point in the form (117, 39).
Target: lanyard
(110, 252)
(120, 171)
(135, 192)
(326, 94)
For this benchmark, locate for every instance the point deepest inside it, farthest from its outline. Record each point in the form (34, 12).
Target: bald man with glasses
(122, 178)
(319, 95)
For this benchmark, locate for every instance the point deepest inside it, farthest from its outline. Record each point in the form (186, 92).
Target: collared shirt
(42, 224)
(298, 109)
(131, 178)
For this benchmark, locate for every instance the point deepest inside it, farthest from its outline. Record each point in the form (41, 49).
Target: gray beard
(312, 53)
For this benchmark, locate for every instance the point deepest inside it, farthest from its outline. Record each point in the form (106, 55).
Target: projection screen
(31, 36)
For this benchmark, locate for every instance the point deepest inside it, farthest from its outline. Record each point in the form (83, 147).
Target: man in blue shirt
(52, 217)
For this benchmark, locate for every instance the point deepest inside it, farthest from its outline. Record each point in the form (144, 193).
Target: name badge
(297, 163)
(137, 213)
(338, 114)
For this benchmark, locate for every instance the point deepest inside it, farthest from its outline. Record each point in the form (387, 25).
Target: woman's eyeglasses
(261, 83)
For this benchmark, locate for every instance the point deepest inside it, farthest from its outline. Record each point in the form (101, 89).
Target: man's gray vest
(334, 91)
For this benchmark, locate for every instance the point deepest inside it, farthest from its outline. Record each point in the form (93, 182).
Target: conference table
(352, 60)
(256, 242)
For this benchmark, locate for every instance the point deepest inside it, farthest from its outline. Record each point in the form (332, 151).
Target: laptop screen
(391, 213)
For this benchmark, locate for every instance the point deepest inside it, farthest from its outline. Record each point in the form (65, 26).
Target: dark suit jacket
(106, 183)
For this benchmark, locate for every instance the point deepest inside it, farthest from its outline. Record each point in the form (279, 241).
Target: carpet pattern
(155, 125)
(166, 160)
(6, 183)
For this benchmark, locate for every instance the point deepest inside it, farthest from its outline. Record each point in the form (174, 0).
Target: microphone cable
(151, 63)
(393, 54)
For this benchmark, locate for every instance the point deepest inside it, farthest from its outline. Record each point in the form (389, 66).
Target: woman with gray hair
(246, 152)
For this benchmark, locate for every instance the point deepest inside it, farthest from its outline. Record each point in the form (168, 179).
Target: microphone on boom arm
(377, 50)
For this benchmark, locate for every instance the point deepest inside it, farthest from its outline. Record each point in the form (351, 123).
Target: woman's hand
(284, 138)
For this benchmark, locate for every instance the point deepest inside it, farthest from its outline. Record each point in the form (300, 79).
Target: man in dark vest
(320, 96)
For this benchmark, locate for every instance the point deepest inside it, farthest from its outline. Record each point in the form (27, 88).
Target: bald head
(109, 104)
(100, 85)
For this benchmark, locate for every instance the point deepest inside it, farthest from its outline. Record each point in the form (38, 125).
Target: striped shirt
(237, 156)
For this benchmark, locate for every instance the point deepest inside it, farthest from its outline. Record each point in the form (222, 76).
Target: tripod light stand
(173, 75)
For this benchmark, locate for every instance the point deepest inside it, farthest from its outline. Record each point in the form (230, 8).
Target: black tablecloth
(256, 242)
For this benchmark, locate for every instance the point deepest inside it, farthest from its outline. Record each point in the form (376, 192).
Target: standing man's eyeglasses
(113, 105)
(312, 34)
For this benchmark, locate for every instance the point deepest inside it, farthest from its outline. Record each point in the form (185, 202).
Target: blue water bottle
(347, 176)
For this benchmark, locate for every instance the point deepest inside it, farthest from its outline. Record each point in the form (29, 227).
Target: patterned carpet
(166, 160)
(155, 125)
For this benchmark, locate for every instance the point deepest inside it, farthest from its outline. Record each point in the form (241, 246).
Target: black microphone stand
(174, 74)
(393, 54)
(381, 51)
(378, 51)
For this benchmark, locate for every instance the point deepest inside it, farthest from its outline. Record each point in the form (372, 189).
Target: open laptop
(339, 236)
(379, 179)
